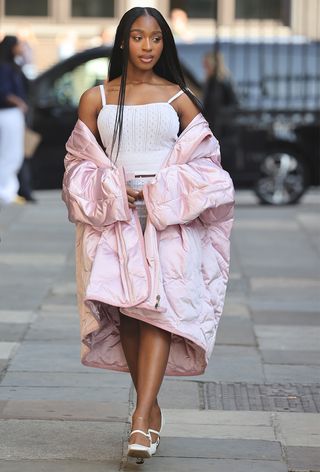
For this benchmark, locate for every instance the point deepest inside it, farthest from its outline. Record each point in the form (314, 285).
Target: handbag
(32, 140)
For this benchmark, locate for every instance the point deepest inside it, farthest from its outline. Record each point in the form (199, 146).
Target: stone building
(57, 28)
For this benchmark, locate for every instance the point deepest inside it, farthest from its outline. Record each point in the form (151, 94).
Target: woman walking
(153, 211)
(12, 123)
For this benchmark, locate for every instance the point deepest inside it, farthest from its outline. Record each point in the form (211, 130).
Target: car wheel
(282, 180)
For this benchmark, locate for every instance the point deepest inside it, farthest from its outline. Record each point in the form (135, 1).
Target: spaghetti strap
(103, 95)
(176, 96)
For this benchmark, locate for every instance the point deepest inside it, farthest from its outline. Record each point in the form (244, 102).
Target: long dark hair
(168, 65)
(6, 48)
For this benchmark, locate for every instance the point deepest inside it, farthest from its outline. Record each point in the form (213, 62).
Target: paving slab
(298, 429)
(3, 365)
(47, 309)
(17, 317)
(7, 349)
(288, 337)
(303, 458)
(275, 256)
(2, 406)
(239, 310)
(160, 464)
(32, 259)
(28, 298)
(54, 328)
(282, 304)
(67, 288)
(269, 225)
(218, 425)
(179, 394)
(292, 373)
(238, 284)
(34, 439)
(59, 466)
(56, 356)
(62, 299)
(12, 332)
(97, 394)
(291, 317)
(235, 331)
(220, 448)
(65, 410)
(282, 283)
(233, 363)
(222, 418)
(95, 378)
(273, 356)
(219, 432)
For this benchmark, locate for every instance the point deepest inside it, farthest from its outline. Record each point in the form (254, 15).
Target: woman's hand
(17, 102)
(133, 195)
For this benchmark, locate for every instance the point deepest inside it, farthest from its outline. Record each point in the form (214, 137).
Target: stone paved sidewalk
(255, 409)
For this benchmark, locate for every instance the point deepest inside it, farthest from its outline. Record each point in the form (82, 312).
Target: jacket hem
(168, 373)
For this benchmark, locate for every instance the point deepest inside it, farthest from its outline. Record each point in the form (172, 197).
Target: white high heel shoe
(139, 450)
(154, 445)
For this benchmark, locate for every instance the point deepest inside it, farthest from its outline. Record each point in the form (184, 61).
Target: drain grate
(261, 397)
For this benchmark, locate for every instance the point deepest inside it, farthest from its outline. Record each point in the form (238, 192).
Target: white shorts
(11, 151)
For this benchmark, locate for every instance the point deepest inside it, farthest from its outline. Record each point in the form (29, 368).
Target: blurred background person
(13, 108)
(105, 37)
(180, 25)
(28, 41)
(219, 98)
(67, 44)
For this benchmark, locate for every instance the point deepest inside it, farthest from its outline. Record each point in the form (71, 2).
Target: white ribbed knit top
(149, 133)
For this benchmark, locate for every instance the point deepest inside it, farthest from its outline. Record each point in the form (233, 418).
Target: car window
(68, 88)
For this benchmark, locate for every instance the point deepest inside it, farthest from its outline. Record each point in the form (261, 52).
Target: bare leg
(130, 336)
(153, 356)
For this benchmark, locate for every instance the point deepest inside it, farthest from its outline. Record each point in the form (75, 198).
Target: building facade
(57, 28)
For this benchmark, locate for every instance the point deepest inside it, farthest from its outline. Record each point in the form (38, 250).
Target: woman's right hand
(133, 195)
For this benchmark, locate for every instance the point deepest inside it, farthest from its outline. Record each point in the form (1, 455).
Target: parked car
(274, 143)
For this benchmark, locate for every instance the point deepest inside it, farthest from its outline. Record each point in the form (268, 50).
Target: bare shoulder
(186, 110)
(90, 98)
(89, 107)
(183, 104)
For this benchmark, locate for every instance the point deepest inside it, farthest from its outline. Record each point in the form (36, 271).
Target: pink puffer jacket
(174, 275)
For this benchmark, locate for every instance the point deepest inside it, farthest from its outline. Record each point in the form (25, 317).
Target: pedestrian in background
(154, 210)
(13, 108)
(219, 99)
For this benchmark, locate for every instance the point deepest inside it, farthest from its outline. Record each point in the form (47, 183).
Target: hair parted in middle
(168, 65)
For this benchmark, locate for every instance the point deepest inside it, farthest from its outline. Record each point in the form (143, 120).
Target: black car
(273, 145)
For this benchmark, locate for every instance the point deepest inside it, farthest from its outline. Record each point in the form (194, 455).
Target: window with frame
(92, 8)
(196, 8)
(264, 10)
(68, 88)
(26, 8)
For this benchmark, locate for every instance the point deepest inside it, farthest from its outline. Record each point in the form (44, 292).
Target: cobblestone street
(255, 409)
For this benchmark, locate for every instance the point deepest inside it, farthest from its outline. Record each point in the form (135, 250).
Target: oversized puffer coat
(174, 275)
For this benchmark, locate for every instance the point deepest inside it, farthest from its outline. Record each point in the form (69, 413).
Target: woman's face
(145, 43)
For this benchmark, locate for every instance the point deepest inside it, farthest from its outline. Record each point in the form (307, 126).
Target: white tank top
(149, 133)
